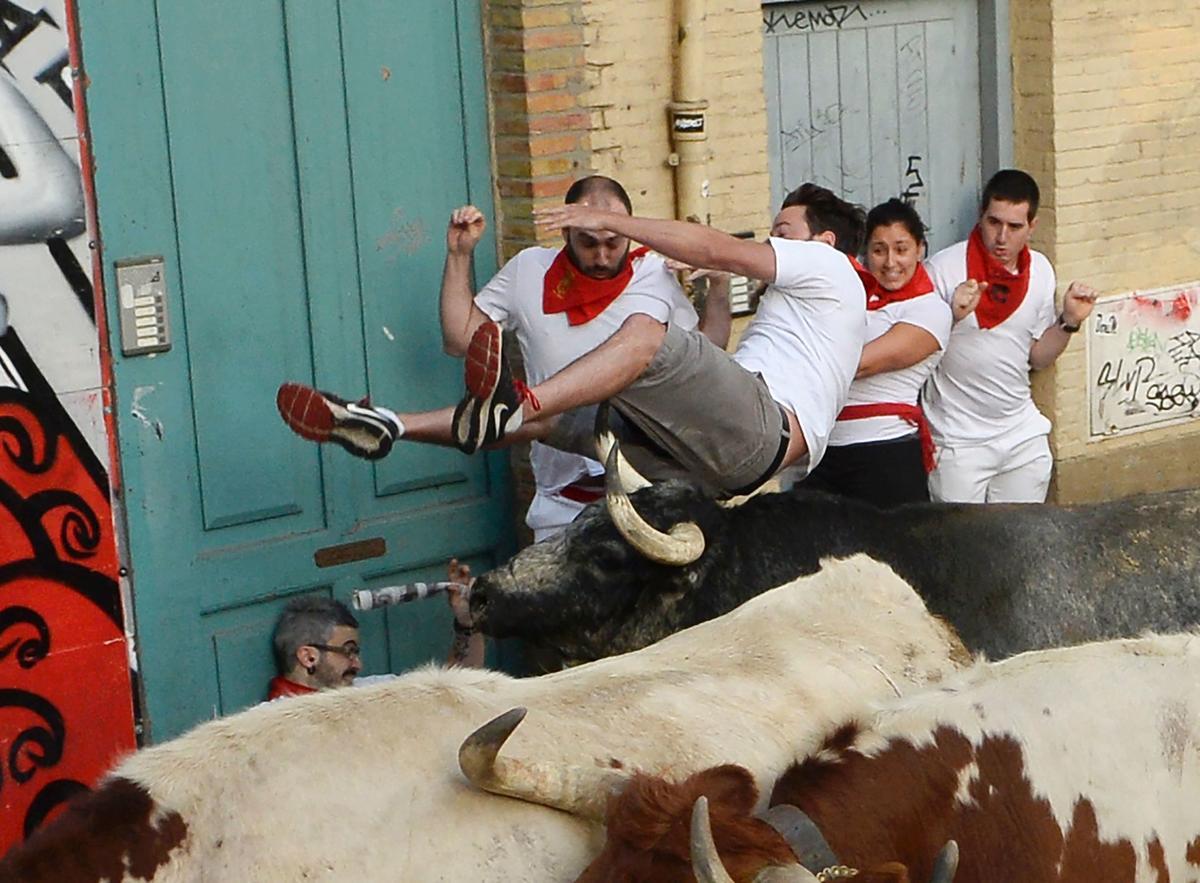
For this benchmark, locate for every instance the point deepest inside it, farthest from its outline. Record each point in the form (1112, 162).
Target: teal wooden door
(294, 163)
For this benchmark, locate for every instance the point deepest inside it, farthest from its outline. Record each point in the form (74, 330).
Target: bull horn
(945, 866)
(802, 835)
(683, 544)
(579, 790)
(707, 865)
(631, 479)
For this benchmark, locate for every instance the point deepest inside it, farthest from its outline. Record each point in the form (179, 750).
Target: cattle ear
(731, 787)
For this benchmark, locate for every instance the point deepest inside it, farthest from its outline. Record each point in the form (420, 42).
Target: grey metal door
(878, 99)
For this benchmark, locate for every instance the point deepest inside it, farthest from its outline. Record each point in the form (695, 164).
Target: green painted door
(293, 163)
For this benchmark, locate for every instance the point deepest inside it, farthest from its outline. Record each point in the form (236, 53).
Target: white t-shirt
(927, 312)
(807, 336)
(980, 388)
(513, 298)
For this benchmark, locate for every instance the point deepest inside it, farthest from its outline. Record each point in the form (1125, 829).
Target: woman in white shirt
(880, 449)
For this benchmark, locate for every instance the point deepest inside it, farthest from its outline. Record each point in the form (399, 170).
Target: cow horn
(683, 544)
(631, 479)
(707, 865)
(579, 790)
(802, 835)
(945, 866)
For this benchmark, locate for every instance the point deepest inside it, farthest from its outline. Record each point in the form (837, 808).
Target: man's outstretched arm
(693, 244)
(460, 317)
(1077, 306)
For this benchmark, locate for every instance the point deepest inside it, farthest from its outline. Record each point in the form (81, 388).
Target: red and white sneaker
(491, 408)
(362, 430)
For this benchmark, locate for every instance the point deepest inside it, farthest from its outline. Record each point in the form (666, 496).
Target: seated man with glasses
(316, 647)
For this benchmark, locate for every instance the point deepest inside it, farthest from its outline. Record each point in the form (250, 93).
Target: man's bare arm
(693, 244)
(1077, 306)
(467, 647)
(460, 317)
(716, 322)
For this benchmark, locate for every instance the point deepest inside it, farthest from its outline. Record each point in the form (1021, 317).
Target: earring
(311, 669)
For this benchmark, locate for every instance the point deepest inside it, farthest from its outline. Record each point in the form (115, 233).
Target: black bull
(1007, 577)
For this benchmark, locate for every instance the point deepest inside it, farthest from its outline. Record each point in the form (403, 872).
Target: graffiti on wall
(1144, 360)
(65, 699)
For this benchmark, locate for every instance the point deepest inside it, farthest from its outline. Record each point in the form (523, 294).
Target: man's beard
(327, 676)
(607, 274)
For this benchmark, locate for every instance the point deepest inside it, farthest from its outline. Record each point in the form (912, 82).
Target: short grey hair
(309, 619)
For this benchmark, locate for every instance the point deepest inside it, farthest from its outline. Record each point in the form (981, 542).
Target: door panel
(296, 169)
(229, 268)
(876, 100)
(401, 224)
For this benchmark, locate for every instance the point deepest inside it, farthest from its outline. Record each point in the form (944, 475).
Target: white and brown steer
(364, 784)
(1078, 765)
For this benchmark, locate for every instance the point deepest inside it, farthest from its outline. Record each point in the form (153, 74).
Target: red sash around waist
(911, 414)
(584, 490)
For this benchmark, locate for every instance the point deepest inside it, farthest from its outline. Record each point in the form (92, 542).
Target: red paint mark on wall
(1177, 309)
(1181, 307)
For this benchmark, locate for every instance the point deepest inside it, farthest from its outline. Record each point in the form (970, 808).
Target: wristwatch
(1062, 323)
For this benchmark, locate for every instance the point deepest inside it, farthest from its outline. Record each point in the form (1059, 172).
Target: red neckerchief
(582, 298)
(879, 297)
(1005, 290)
(911, 414)
(281, 686)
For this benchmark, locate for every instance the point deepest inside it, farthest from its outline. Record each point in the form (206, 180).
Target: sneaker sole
(482, 373)
(483, 360)
(306, 412)
(318, 418)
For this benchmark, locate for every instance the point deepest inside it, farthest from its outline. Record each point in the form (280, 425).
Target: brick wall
(583, 86)
(630, 54)
(1108, 120)
(542, 129)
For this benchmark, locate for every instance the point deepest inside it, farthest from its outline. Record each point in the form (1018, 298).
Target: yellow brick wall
(581, 86)
(629, 50)
(1108, 120)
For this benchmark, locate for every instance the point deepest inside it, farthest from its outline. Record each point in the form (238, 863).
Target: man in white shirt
(993, 443)
(730, 422)
(561, 304)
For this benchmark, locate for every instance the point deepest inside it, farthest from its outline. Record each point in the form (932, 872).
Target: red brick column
(542, 136)
(542, 133)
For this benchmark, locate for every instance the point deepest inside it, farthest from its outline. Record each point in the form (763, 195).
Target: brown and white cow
(364, 783)
(1074, 765)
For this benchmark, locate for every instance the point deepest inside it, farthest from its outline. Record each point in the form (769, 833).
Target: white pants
(993, 472)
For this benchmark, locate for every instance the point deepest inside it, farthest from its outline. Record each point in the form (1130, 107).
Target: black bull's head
(590, 592)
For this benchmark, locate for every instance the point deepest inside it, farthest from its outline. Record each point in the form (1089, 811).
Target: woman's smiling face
(893, 255)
